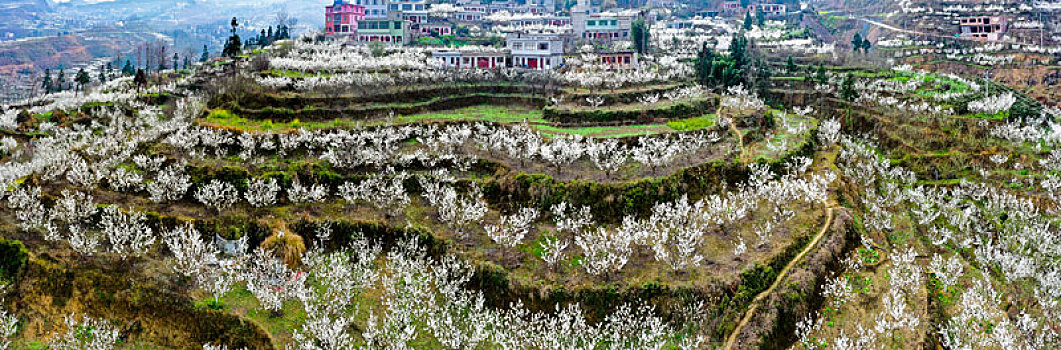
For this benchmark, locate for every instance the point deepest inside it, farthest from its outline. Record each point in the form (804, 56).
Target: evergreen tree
(140, 79)
(176, 59)
(47, 84)
(847, 89)
(760, 16)
(128, 68)
(738, 49)
(865, 45)
(790, 65)
(270, 34)
(81, 79)
(715, 70)
(60, 80)
(187, 62)
(103, 74)
(822, 78)
(206, 55)
(640, 32)
(234, 46)
(856, 42)
(762, 78)
(747, 20)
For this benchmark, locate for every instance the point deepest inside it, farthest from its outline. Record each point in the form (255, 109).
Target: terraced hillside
(293, 199)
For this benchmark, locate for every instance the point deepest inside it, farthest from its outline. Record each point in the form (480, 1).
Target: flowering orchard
(332, 196)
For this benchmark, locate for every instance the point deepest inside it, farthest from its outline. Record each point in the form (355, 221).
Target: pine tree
(760, 16)
(60, 80)
(47, 84)
(856, 42)
(847, 89)
(822, 78)
(81, 79)
(176, 59)
(790, 65)
(270, 34)
(865, 45)
(128, 68)
(103, 74)
(187, 62)
(640, 32)
(233, 47)
(206, 55)
(748, 20)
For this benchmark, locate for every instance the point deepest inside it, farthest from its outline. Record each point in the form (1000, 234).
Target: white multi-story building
(608, 25)
(536, 51)
(374, 9)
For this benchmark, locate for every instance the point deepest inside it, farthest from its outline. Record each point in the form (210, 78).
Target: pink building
(341, 18)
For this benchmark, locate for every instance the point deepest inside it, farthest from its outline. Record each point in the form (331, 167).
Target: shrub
(13, 257)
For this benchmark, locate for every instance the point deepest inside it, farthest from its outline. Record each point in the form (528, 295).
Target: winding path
(732, 339)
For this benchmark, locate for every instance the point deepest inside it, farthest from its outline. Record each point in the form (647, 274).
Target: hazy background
(49, 34)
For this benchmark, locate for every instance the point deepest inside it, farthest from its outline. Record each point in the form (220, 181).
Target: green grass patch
(226, 119)
(696, 123)
(604, 131)
(481, 113)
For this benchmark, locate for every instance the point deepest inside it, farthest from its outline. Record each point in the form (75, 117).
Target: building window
(543, 46)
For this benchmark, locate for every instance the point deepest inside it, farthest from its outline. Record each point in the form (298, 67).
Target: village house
(341, 18)
(536, 51)
(374, 9)
(983, 27)
(769, 9)
(473, 58)
(620, 59)
(391, 31)
(609, 25)
(415, 11)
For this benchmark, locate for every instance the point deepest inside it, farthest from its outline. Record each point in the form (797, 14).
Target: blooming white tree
(262, 192)
(604, 251)
(896, 314)
(676, 231)
(170, 184)
(511, 229)
(87, 334)
(191, 254)
(8, 322)
(29, 211)
(553, 250)
(387, 193)
(993, 104)
(568, 218)
(302, 194)
(457, 211)
(271, 281)
(127, 233)
(217, 194)
(83, 241)
(829, 132)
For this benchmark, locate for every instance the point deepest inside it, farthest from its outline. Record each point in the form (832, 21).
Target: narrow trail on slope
(732, 339)
(736, 132)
